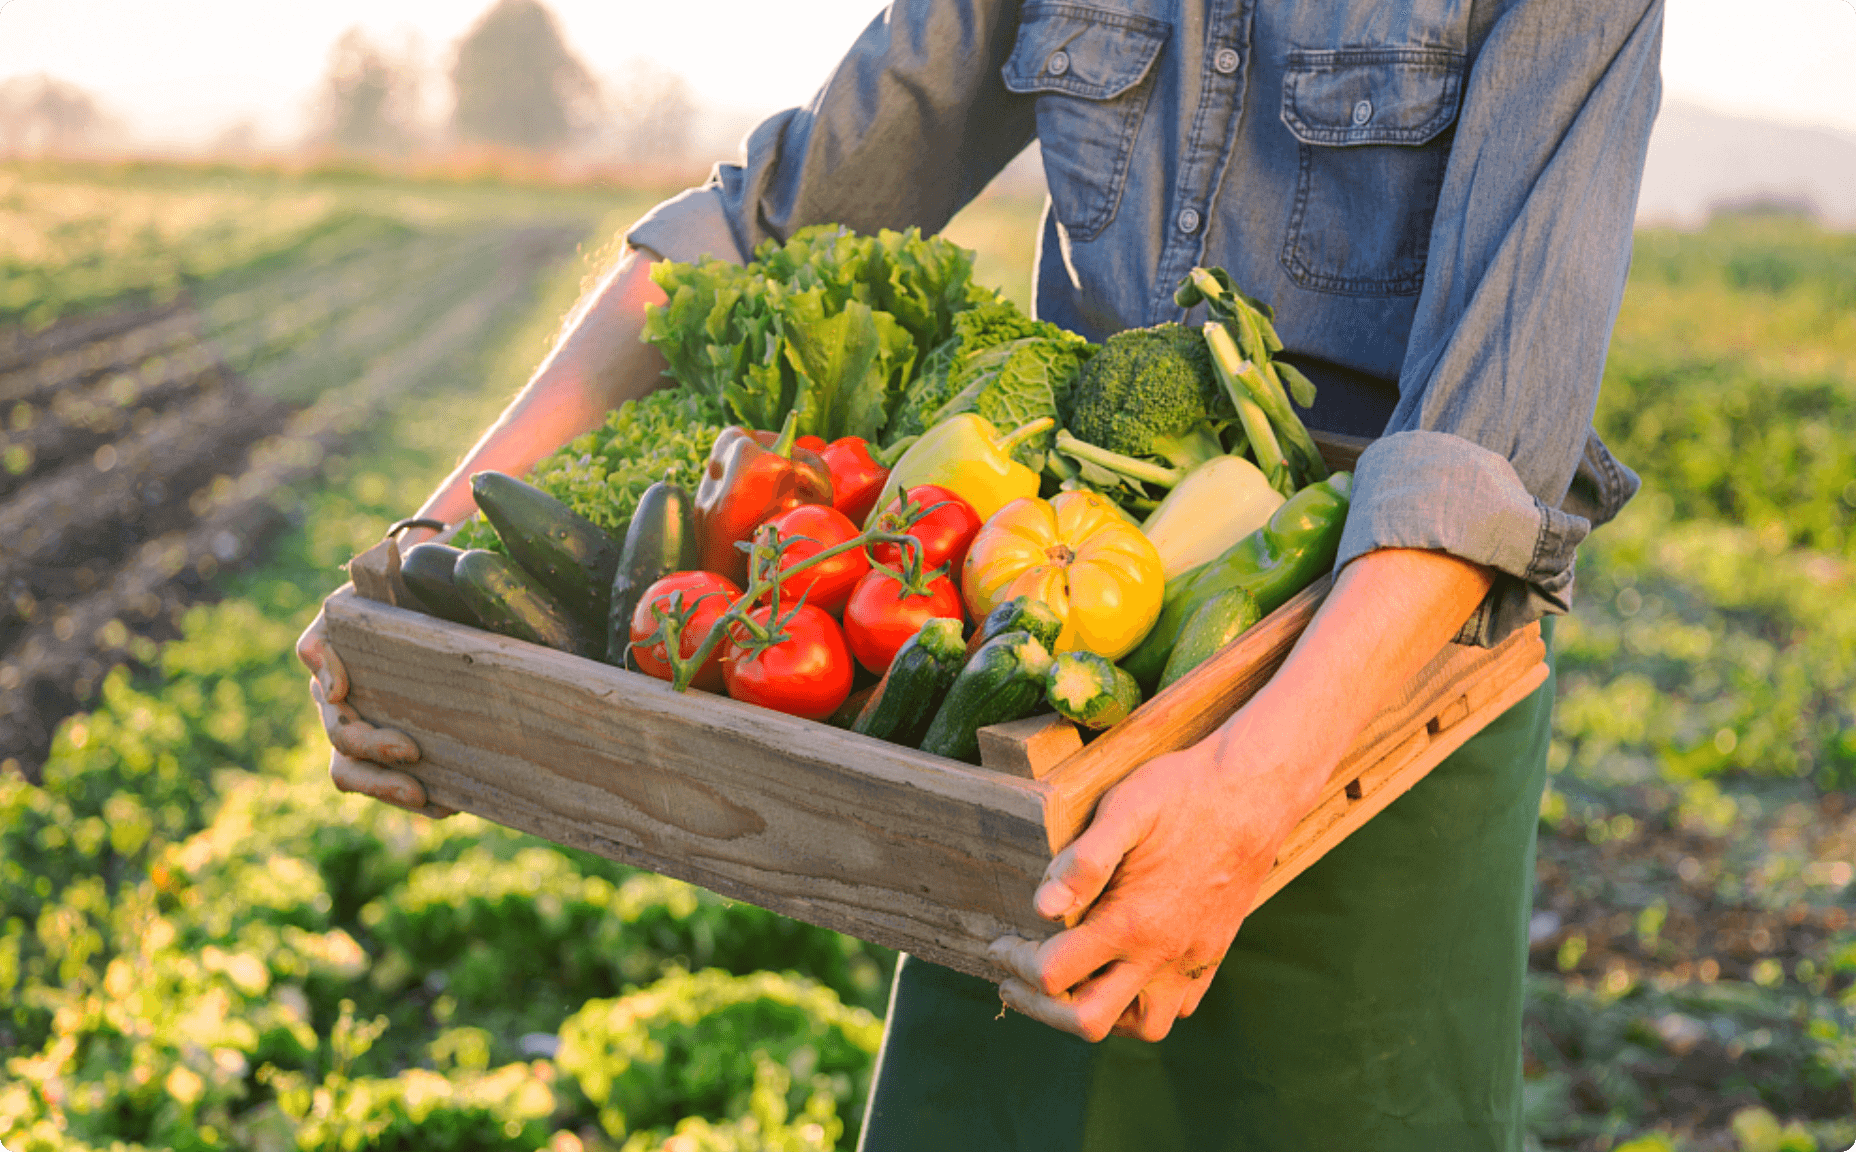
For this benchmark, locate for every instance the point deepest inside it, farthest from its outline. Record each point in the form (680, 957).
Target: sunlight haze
(178, 74)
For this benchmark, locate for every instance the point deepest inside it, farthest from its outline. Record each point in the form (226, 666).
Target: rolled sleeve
(1440, 492)
(1489, 454)
(687, 227)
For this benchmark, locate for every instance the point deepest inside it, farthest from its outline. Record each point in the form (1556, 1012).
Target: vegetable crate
(850, 833)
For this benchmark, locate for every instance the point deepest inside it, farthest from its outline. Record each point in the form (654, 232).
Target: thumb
(1077, 875)
(312, 648)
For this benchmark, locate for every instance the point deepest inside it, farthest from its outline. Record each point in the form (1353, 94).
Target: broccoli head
(1151, 392)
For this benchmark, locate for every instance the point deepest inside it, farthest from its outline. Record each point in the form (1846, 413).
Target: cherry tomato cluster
(798, 646)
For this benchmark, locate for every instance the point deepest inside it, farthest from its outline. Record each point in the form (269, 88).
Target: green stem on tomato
(769, 545)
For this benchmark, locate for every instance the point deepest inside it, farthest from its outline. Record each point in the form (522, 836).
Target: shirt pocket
(1371, 126)
(1088, 69)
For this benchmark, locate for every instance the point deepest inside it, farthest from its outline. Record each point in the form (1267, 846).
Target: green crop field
(203, 945)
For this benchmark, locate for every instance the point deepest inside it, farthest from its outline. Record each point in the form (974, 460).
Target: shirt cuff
(1437, 491)
(687, 227)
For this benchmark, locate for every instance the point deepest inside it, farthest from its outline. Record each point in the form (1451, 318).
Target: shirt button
(1363, 111)
(1225, 61)
(1189, 220)
(1058, 64)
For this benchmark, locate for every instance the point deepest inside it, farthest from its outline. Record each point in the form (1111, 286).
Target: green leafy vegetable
(1002, 364)
(830, 324)
(601, 475)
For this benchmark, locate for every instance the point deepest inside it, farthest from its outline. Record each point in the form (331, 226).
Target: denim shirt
(1433, 194)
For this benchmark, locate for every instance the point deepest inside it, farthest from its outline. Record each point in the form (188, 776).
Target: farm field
(202, 945)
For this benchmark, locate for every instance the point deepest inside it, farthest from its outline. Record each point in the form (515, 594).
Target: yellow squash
(1078, 555)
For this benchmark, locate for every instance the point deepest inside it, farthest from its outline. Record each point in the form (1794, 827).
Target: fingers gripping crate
(879, 841)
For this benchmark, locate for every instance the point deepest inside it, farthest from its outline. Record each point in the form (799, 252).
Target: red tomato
(712, 595)
(945, 533)
(878, 619)
(828, 583)
(808, 674)
(856, 479)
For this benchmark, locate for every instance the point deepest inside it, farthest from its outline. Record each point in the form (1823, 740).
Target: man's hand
(1166, 885)
(1175, 853)
(361, 755)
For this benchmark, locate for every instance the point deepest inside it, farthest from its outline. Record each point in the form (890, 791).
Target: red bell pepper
(856, 479)
(751, 477)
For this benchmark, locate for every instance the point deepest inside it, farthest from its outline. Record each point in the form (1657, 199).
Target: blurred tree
(42, 115)
(369, 100)
(650, 117)
(517, 82)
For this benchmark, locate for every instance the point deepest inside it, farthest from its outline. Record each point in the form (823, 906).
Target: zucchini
(1218, 621)
(660, 540)
(905, 701)
(430, 572)
(1003, 681)
(572, 557)
(1019, 614)
(511, 602)
(1091, 690)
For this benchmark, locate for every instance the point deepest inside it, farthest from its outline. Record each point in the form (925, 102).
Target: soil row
(152, 467)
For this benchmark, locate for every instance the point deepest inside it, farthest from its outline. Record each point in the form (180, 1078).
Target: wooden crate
(854, 834)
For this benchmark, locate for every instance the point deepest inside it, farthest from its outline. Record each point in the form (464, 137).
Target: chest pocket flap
(1088, 52)
(1371, 95)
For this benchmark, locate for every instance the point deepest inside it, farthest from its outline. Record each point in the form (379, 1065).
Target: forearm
(599, 362)
(1389, 613)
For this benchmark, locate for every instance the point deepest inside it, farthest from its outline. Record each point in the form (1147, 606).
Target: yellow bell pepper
(966, 455)
(1078, 555)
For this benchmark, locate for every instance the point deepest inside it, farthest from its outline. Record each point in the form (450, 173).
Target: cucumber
(1219, 620)
(1019, 614)
(1091, 690)
(660, 540)
(509, 601)
(429, 570)
(852, 708)
(572, 557)
(1003, 681)
(906, 699)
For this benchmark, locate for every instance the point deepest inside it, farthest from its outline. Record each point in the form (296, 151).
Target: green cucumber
(1019, 614)
(1218, 621)
(853, 707)
(1003, 681)
(660, 540)
(572, 557)
(1091, 690)
(906, 699)
(513, 603)
(430, 572)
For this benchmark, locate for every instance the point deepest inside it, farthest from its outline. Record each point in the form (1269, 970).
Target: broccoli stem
(1142, 470)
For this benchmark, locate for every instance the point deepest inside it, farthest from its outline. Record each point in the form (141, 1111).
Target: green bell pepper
(1271, 564)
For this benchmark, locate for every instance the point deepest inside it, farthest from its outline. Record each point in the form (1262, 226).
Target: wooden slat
(1031, 747)
(1185, 712)
(1340, 452)
(1340, 815)
(1436, 699)
(887, 844)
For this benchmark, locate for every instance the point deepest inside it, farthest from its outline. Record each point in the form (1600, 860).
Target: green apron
(1374, 1003)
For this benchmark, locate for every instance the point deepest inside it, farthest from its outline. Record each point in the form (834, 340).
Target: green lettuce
(830, 324)
(664, 436)
(1001, 364)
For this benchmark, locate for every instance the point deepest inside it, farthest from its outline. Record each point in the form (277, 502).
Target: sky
(181, 71)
